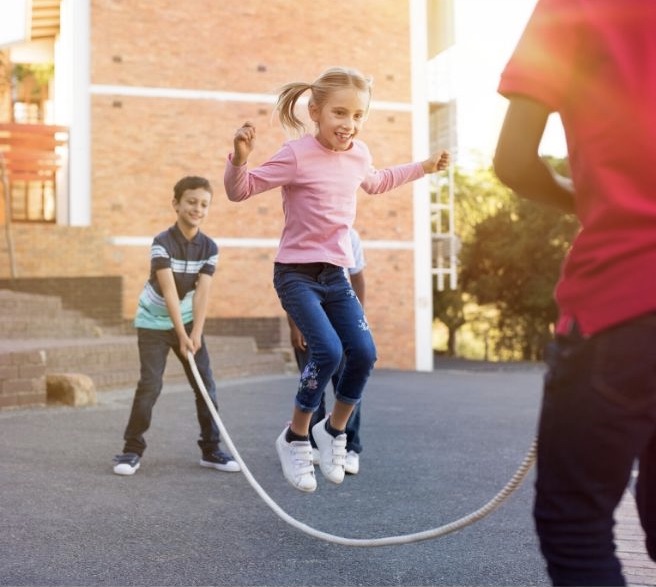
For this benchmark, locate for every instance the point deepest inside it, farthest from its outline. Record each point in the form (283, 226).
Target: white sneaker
(352, 463)
(315, 456)
(296, 460)
(332, 452)
(126, 463)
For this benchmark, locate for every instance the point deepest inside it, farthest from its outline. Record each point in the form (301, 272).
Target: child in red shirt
(594, 63)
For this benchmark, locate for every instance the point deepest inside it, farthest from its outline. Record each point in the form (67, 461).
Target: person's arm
(379, 181)
(358, 285)
(170, 294)
(517, 162)
(241, 183)
(201, 300)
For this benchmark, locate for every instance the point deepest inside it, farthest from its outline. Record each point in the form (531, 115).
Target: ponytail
(289, 95)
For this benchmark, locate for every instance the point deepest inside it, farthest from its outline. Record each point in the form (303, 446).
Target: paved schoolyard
(437, 446)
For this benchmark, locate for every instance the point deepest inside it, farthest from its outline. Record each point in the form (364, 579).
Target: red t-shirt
(594, 62)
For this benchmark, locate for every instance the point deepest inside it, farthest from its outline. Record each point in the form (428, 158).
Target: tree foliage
(477, 195)
(513, 261)
(512, 251)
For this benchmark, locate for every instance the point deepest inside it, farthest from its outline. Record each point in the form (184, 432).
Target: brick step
(67, 324)
(13, 303)
(38, 337)
(268, 364)
(24, 316)
(115, 364)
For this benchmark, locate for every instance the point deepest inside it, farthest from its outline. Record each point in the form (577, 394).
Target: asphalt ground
(437, 446)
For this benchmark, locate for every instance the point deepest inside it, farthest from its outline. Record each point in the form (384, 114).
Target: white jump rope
(489, 507)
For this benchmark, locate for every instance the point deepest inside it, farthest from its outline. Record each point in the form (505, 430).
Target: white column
(423, 302)
(73, 106)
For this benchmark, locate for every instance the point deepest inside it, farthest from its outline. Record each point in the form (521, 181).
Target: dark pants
(154, 346)
(598, 416)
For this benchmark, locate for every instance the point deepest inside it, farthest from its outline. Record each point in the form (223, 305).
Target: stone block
(73, 389)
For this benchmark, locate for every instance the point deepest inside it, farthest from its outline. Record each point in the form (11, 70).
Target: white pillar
(423, 302)
(73, 106)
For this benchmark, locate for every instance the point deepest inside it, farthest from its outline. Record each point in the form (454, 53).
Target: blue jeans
(598, 416)
(321, 302)
(352, 426)
(154, 346)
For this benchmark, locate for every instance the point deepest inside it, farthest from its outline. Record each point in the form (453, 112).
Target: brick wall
(268, 333)
(48, 250)
(142, 145)
(22, 379)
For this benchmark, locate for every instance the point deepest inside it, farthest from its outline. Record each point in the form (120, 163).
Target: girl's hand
(436, 162)
(244, 142)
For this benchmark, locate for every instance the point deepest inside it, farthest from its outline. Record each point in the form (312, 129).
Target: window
(33, 150)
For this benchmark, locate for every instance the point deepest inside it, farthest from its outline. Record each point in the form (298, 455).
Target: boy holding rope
(171, 315)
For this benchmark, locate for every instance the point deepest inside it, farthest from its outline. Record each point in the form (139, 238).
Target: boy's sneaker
(127, 463)
(352, 463)
(332, 452)
(220, 461)
(296, 460)
(315, 456)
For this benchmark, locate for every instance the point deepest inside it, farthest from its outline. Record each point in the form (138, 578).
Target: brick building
(153, 90)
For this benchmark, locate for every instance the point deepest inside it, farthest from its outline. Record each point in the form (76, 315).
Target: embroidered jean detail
(309, 377)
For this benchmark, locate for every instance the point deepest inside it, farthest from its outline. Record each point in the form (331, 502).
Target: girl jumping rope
(319, 176)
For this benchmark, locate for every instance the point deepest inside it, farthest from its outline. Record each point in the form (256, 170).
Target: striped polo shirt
(187, 259)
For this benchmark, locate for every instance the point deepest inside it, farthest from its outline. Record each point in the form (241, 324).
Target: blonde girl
(319, 175)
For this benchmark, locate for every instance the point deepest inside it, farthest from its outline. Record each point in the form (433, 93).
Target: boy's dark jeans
(154, 346)
(598, 416)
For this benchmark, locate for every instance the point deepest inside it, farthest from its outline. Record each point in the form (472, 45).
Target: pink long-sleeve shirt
(319, 189)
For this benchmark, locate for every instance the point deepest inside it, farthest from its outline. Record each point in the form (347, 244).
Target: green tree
(513, 262)
(448, 308)
(477, 195)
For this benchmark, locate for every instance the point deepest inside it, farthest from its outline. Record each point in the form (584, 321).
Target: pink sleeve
(241, 183)
(384, 180)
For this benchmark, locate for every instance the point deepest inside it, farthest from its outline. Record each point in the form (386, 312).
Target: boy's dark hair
(190, 182)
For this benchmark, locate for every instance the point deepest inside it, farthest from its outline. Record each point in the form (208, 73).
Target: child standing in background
(171, 315)
(319, 176)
